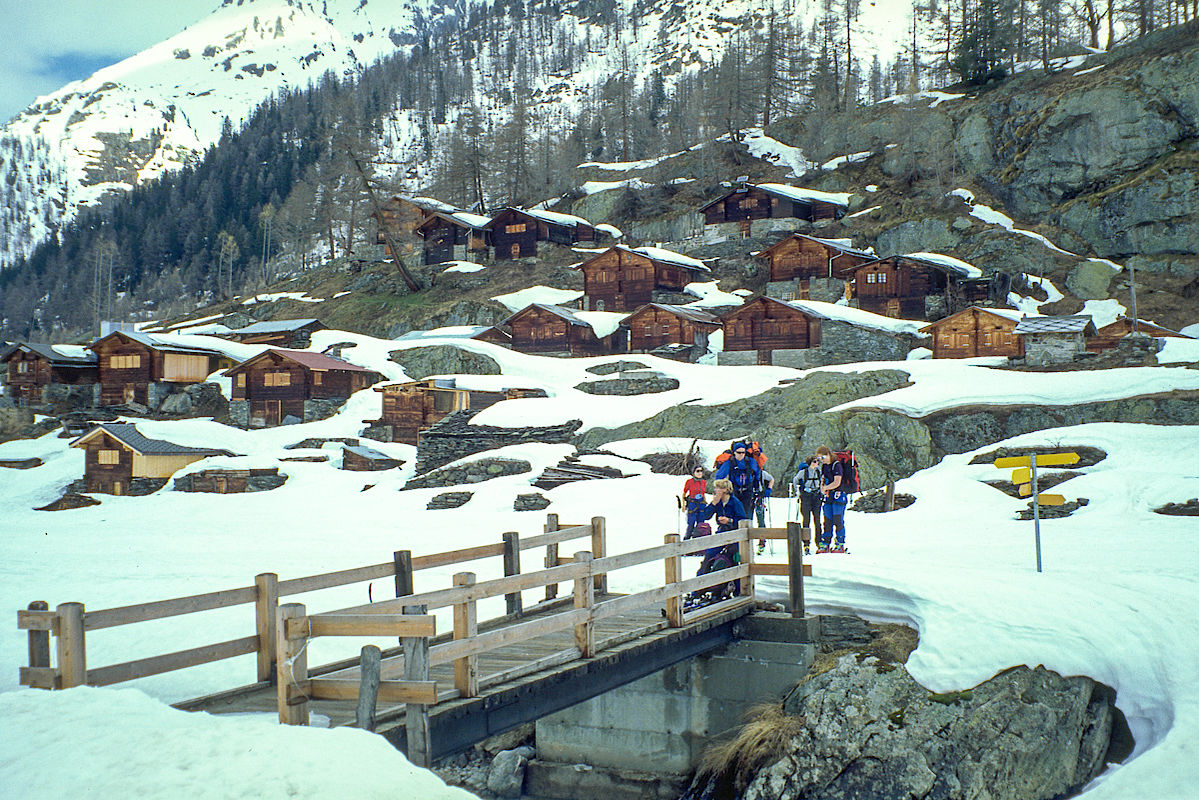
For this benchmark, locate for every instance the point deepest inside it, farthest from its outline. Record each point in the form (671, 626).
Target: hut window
(870, 277)
(518, 227)
(882, 277)
(278, 378)
(316, 378)
(22, 366)
(109, 456)
(947, 339)
(749, 202)
(599, 305)
(241, 379)
(124, 362)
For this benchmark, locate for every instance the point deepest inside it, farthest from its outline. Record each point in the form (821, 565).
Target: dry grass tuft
(733, 764)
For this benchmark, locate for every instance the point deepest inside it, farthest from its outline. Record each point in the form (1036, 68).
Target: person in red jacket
(695, 493)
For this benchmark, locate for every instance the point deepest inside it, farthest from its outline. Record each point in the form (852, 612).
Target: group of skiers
(741, 486)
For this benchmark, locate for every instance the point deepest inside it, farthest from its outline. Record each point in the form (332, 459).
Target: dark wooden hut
(291, 333)
(401, 216)
(454, 236)
(797, 259)
(624, 278)
(765, 324)
(32, 368)
(657, 325)
(976, 332)
(748, 202)
(358, 458)
(277, 384)
(130, 364)
(515, 232)
(921, 285)
(117, 454)
(1109, 335)
(541, 328)
(414, 406)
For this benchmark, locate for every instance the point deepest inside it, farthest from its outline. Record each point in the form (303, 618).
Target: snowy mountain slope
(957, 564)
(161, 108)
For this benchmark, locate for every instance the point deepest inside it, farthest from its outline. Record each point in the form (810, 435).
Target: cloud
(52, 42)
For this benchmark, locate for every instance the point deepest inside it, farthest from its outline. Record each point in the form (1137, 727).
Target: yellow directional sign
(1056, 459)
(1012, 461)
(1022, 475)
(1025, 489)
(1050, 499)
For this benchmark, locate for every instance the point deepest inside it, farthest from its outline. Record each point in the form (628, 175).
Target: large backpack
(752, 450)
(849, 471)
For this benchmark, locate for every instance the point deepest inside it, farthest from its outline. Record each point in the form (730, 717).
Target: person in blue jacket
(728, 512)
(744, 474)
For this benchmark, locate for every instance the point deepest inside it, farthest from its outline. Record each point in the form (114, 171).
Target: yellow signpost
(1024, 476)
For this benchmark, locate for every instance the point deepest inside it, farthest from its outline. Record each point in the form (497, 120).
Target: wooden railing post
(416, 715)
(292, 670)
(403, 574)
(674, 605)
(585, 598)
(513, 601)
(747, 558)
(551, 554)
(466, 625)
(72, 649)
(599, 549)
(39, 641)
(369, 674)
(795, 568)
(889, 497)
(267, 584)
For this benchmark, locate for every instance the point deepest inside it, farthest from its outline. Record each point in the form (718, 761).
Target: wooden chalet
(515, 232)
(277, 384)
(771, 200)
(541, 328)
(765, 324)
(117, 454)
(920, 285)
(133, 365)
(624, 278)
(656, 325)
(1109, 335)
(977, 332)
(292, 333)
(33, 367)
(415, 406)
(798, 259)
(401, 216)
(454, 236)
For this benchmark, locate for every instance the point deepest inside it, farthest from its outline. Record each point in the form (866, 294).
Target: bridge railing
(584, 570)
(69, 623)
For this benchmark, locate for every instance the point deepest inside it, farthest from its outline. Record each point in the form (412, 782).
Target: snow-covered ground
(1115, 602)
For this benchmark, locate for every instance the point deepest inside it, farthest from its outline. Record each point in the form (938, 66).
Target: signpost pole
(1036, 506)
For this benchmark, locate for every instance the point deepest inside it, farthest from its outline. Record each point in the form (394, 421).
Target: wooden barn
(977, 332)
(277, 384)
(31, 368)
(624, 278)
(401, 216)
(414, 406)
(765, 324)
(541, 328)
(772, 200)
(515, 232)
(454, 236)
(117, 454)
(656, 325)
(921, 285)
(1109, 335)
(797, 259)
(1054, 340)
(293, 333)
(138, 368)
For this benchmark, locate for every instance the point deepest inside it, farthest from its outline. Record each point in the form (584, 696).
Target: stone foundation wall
(841, 343)
(1048, 348)
(471, 472)
(239, 413)
(453, 437)
(322, 409)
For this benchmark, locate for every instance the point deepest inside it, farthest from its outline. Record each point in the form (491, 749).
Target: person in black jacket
(807, 483)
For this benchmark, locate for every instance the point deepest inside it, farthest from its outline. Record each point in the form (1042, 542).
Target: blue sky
(51, 42)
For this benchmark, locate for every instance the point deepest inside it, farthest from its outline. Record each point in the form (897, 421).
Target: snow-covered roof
(685, 311)
(59, 354)
(855, 316)
(802, 195)
(963, 268)
(842, 245)
(671, 257)
(276, 326)
(429, 203)
(553, 217)
(1005, 313)
(547, 295)
(604, 323)
(1077, 323)
(127, 433)
(463, 218)
(368, 453)
(161, 343)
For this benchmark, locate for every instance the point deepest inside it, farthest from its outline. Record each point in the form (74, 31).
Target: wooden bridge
(437, 694)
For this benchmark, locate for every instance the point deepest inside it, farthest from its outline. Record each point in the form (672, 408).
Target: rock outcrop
(444, 359)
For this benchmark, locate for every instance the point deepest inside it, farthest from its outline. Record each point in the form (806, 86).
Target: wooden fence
(69, 623)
